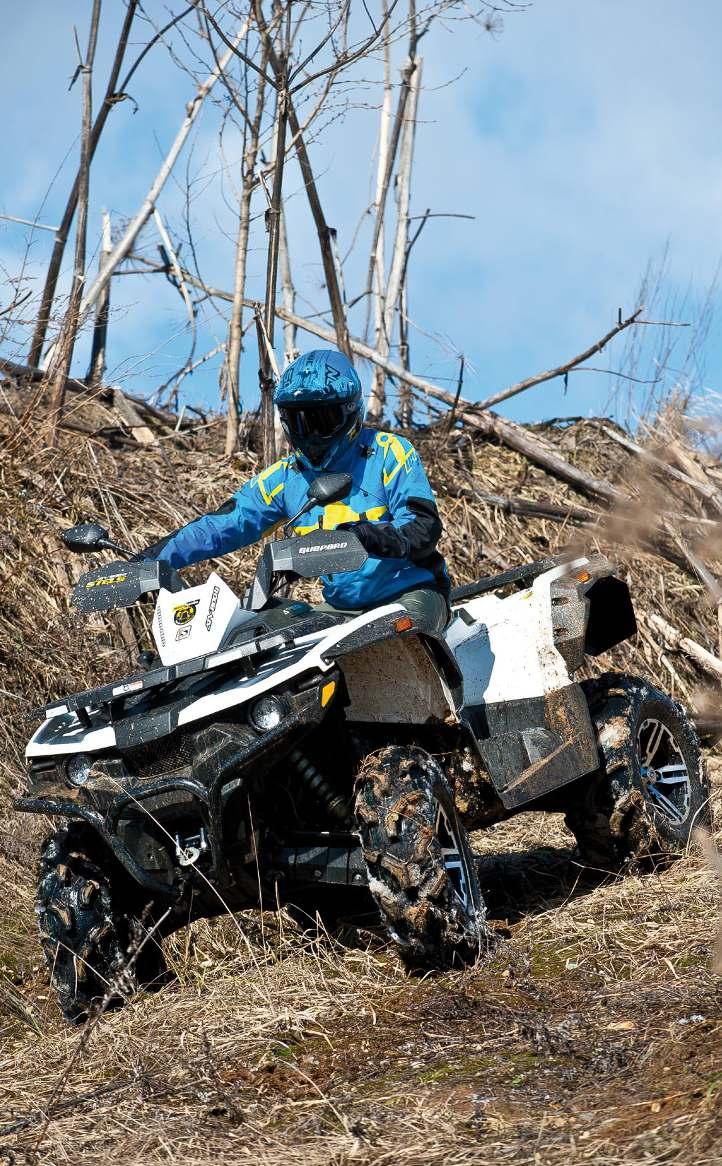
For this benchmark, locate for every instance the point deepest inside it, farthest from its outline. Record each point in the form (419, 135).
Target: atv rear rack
(520, 576)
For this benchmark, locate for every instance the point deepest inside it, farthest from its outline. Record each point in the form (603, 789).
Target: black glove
(380, 539)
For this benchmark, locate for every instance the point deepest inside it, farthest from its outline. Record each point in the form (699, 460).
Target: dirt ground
(594, 1034)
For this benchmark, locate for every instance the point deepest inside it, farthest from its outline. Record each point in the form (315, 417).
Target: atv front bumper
(194, 771)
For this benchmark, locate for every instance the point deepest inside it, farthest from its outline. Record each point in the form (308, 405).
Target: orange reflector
(327, 692)
(404, 624)
(583, 576)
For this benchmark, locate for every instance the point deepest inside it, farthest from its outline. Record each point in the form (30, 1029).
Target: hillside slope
(593, 1035)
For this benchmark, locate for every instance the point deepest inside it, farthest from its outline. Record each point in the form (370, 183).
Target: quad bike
(274, 755)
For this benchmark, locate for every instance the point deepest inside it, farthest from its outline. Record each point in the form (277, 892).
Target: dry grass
(594, 1034)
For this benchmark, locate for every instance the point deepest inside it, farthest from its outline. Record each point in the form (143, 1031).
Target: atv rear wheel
(88, 928)
(650, 790)
(421, 869)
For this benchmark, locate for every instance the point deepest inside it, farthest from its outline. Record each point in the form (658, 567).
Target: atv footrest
(331, 859)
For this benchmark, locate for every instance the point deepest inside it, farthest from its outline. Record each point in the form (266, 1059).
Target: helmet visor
(313, 420)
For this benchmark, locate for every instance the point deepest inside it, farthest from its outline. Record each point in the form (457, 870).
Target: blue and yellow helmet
(320, 404)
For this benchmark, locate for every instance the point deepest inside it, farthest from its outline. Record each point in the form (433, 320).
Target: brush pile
(278, 1050)
(499, 510)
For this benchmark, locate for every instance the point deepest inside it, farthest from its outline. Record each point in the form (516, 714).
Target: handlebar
(322, 552)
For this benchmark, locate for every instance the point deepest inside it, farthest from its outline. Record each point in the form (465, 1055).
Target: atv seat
(298, 617)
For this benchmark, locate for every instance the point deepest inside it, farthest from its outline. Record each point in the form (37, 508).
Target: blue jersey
(390, 501)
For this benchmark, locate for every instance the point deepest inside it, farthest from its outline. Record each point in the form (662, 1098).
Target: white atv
(275, 755)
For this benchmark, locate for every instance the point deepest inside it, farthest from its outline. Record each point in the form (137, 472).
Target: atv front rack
(113, 696)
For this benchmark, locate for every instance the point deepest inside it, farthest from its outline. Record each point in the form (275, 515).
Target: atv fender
(517, 653)
(535, 745)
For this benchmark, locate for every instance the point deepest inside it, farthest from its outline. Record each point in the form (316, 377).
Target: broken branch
(695, 651)
(552, 374)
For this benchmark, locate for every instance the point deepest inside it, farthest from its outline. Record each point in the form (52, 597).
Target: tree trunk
(398, 123)
(378, 395)
(235, 326)
(406, 404)
(377, 398)
(397, 271)
(61, 237)
(273, 219)
(338, 310)
(61, 367)
(290, 351)
(96, 367)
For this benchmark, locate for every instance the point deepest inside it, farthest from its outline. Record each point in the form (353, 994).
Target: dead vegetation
(593, 1035)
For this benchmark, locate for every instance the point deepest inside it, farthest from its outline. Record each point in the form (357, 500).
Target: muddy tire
(87, 926)
(650, 790)
(422, 872)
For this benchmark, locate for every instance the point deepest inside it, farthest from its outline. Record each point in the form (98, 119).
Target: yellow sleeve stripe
(375, 513)
(389, 441)
(269, 495)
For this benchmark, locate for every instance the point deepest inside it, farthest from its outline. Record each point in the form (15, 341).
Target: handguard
(120, 584)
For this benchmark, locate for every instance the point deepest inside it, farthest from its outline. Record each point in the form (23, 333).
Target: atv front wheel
(650, 790)
(421, 868)
(88, 929)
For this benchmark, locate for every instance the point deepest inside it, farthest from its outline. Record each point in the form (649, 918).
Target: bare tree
(61, 366)
(96, 367)
(290, 351)
(114, 94)
(391, 296)
(252, 137)
(287, 76)
(127, 241)
(378, 251)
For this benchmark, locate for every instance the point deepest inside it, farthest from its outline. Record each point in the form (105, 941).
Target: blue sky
(584, 140)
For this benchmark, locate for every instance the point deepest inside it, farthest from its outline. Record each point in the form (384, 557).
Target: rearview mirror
(85, 537)
(329, 488)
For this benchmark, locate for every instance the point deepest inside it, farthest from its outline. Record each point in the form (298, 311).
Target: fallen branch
(695, 651)
(701, 570)
(131, 418)
(563, 369)
(103, 393)
(489, 424)
(705, 489)
(524, 506)
(587, 519)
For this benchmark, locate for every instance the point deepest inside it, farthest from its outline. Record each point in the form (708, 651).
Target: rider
(390, 506)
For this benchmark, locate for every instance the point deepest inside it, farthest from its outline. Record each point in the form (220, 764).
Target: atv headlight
(79, 768)
(266, 714)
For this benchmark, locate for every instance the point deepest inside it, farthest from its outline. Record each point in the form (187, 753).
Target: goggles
(313, 420)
